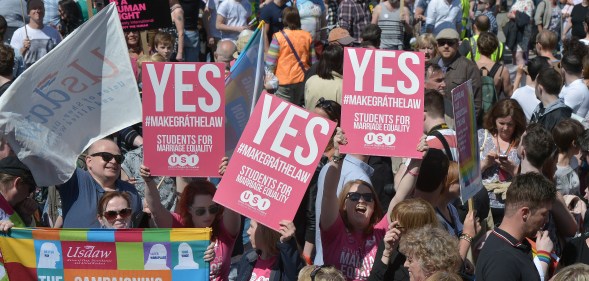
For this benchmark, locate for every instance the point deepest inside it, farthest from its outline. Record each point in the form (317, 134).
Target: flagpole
(24, 19)
(260, 55)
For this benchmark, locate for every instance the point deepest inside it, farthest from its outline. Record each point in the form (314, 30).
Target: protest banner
(80, 92)
(243, 87)
(49, 254)
(382, 103)
(274, 161)
(143, 14)
(467, 141)
(183, 118)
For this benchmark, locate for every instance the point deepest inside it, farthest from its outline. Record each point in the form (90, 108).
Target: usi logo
(255, 200)
(379, 139)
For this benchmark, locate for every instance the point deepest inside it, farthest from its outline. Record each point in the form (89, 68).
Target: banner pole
(22, 10)
(90, 8)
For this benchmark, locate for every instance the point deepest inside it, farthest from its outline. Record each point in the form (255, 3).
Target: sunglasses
(112, 215)
(317, 269)
(106, 156)
(449, 42)
(213, 209)
(355, 196)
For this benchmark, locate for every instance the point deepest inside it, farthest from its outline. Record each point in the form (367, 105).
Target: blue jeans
(191, 45)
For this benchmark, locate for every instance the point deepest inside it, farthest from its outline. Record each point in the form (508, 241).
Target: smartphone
(503, 157)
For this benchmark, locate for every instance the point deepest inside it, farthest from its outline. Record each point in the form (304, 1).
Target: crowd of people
(363, 217)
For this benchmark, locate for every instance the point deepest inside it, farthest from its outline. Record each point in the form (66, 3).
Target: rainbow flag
(46, 254)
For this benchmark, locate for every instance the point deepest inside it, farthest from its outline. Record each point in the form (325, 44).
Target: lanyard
(499, 146)
(438, 127)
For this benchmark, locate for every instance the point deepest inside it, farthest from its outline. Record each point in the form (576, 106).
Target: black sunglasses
(317, 269)
(213, 209)
(355, 196)
(112, 215)
(107, 156)
(449, 42)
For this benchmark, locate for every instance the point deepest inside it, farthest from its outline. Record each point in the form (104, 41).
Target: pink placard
(183, 118)
(382, 110)
(274, 161)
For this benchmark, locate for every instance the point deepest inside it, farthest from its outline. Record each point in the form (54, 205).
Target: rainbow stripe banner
(466, 136)
(46, 254)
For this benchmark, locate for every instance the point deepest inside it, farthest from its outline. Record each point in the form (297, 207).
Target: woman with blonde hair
(575, 272)
(407, 215)
(320, 273)
(427, 44)
(429, 250)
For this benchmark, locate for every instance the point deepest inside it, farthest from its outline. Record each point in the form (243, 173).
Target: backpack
(490, 96)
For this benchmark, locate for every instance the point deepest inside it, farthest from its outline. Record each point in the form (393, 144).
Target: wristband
(466, 237)
(307, 260)
(412, 173)
(543, 258)
(338, 158)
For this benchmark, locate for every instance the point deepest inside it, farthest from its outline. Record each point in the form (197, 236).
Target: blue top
(80, 196)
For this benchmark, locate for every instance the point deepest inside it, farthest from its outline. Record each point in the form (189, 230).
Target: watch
(338, 158)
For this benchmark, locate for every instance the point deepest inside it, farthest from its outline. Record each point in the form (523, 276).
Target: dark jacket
(286, 268)
(551, 115)
(458, 72)
(394, 271)
(514, 30)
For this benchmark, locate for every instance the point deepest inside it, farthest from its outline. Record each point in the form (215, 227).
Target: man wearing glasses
(458, 70)
(15, 188)
(81, 193)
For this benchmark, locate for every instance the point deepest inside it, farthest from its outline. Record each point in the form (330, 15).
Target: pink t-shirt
(262, 269)
(220, 266)
(352, 253)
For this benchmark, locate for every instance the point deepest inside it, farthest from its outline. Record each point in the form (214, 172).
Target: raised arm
(160, 215)
(409, 178)
(329, 206)
(231, 219)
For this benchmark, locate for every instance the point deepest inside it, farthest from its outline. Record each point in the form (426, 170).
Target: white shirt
(442, 15)
(235, 14)
(46, 33)
(526, 97)
(576, 96)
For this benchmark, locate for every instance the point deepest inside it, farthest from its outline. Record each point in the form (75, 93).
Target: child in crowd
(163, 44)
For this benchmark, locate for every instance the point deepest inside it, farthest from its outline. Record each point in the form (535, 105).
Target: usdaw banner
(81, 91)
(105, 254)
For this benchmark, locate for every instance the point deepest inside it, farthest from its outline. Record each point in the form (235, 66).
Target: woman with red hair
(197, 209)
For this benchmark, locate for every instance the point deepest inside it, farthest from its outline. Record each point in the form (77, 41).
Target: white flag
(81, 91)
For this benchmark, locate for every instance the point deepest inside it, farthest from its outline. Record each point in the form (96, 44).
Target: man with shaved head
(81, 193)
(224, 54)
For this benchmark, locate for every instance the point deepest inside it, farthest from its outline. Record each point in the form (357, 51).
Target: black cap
(12, 166)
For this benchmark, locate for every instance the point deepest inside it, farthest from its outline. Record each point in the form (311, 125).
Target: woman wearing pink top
(197, 209)
(351, 229)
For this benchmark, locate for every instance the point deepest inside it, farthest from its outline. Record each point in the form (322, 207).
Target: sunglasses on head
(449, 42)
(106, 156)
(316, 270)
(323, 103)
(112, 215)
(213, 209)
(355, 196)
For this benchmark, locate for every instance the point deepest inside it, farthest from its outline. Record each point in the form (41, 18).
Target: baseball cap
(340, 35)
(448, 33)
(12, 166)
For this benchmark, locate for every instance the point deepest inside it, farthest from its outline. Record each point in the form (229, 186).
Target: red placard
(274, 161)
(382, 111)
(183, 118)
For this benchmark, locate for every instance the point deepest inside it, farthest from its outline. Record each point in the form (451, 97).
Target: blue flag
(243, 87)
